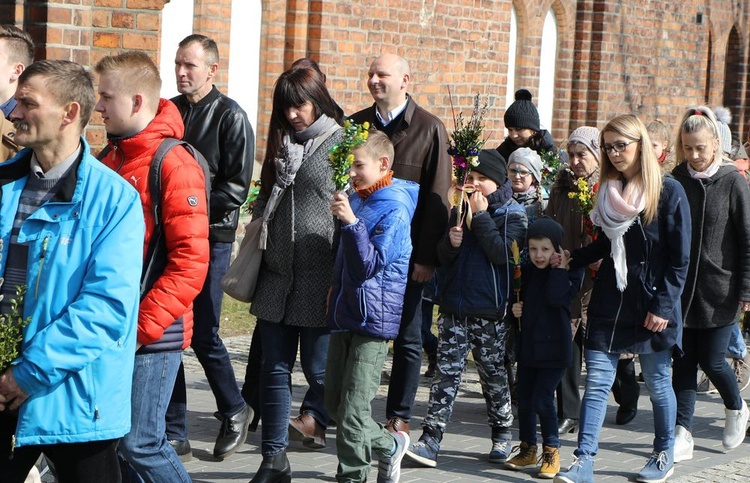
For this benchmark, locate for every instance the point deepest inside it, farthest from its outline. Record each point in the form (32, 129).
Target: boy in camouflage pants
(473, 282)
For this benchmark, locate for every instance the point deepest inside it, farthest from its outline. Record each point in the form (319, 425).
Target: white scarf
(616, 209)
(707, 173)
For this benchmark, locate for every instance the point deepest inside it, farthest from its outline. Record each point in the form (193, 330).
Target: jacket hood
(167, 123)
(682, 171)
(401, 191)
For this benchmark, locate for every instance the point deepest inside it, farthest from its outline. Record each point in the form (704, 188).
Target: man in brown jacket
(421, 142)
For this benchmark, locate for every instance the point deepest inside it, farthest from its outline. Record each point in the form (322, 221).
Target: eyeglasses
(618, 147)
(521, 173)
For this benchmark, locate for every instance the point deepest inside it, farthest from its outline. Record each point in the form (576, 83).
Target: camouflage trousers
(486, 339)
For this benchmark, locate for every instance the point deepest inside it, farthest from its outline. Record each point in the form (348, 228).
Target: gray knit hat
(589, 137)
(723, 118)
(522, 114)
(529, 159)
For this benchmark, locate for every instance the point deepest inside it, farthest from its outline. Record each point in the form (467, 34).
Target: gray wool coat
(719, 273)
(295, 275)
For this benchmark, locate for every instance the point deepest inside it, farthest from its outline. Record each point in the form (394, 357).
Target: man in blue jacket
(65, 221)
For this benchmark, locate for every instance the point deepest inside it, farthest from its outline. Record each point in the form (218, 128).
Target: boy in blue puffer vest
(473, 282)
(364, 307)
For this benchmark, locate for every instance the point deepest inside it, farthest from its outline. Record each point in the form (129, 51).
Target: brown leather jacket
(8, 147)
(421, 155)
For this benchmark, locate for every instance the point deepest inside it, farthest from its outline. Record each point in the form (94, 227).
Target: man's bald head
(388, 80)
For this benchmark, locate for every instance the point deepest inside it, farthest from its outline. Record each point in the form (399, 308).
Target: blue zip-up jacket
(473, 279)
(658, 255)
(83, 276)
(372, 263)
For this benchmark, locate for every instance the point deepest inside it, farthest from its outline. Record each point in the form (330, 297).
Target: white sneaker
(735, 424)
(683, 444)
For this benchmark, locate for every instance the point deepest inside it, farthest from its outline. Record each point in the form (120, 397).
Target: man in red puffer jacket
(137, 121)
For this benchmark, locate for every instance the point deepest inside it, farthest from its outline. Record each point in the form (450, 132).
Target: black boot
(274, 469)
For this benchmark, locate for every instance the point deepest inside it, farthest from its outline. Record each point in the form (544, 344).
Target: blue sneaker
(658, 468)
(581, 471)
(389, 467)
(424, 452)
(500, 451)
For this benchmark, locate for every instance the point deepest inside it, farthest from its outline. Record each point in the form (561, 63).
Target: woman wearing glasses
(635, 303)
(525, 174)
(718, 280)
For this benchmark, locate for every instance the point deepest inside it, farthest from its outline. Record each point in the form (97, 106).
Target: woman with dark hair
(635, 307)
(297, 235)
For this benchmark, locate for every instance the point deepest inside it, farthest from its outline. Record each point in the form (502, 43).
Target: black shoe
(253, 426)
(274, 469)
(182, 448)
(430, 372)
(567, 425)
(233, 433)
(625, 415)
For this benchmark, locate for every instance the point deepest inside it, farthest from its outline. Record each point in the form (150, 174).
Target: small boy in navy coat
(544, 349)
(364, 307)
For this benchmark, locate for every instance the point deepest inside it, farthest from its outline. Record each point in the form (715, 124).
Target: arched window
(179, 26)
(547, 67)
(734, 66)
(511, 83)
(244, 63)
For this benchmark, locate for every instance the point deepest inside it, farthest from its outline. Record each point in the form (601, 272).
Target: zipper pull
(12, 446)
(41, 265)
(96, 412)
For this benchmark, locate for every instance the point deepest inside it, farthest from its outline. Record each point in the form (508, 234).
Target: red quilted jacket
(185, 227)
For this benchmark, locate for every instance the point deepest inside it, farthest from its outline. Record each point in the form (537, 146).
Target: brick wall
(650, 57)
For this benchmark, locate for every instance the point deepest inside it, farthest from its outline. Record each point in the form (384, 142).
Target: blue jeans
(279, 343)
(736, 348)
(209, 349)
(535, 391)
(601, 368)
(145, 447)
(704, 347)
(407, 356)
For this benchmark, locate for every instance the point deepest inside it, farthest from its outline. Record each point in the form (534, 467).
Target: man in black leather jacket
(218, 127)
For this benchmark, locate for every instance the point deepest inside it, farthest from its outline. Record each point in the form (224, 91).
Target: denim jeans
(704, 347)
(536, 397)
(209, 349)
(736, 348)
(279, 343)
(601, 368)
(407, 356)
(145, 447)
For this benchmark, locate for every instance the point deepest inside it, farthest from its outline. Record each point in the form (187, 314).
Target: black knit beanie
(493, 165)
(522, 113)
(548, 228)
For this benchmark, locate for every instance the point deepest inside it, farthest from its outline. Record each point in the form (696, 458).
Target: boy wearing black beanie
(544, 349)
(472, 288)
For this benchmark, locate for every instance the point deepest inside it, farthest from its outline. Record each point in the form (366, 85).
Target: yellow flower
(350, 158)
(366, 125)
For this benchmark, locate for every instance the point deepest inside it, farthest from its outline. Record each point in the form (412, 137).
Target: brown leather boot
(306, 429)
(396, 424)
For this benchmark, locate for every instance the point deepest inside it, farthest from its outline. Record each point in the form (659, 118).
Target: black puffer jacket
(218, 128)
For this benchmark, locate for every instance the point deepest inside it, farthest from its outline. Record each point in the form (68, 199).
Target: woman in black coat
(718, 281)
(635, 302)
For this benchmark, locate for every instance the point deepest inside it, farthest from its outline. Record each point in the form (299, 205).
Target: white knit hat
(724, 118)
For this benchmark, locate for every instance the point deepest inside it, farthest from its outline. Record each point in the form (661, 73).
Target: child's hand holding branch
(341, 209)
(517, 309)
(456, 236)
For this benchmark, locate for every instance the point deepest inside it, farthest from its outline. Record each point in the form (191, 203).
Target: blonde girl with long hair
(644, 242)
(718, 278)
